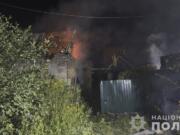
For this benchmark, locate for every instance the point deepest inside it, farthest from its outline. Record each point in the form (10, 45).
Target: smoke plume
(157, 48)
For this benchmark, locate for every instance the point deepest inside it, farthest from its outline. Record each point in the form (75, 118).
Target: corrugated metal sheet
(119, 96)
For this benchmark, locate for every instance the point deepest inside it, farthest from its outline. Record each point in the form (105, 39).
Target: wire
(66, 14)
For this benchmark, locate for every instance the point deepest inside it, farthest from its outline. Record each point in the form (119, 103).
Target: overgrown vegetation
(108, 124)
(67, 115)
(21, 83)
(31, 102)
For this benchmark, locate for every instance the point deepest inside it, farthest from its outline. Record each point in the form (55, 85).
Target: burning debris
(67, 42)
(61, 43)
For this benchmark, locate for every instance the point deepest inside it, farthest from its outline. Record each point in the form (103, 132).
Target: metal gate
(119, 96)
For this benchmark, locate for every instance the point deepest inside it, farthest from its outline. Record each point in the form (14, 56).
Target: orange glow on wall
(61, 40)
(77, 51)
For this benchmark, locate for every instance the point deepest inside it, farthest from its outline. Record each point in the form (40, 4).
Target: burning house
(148, 92)
(62, 54)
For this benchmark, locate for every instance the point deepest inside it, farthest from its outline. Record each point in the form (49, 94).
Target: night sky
(24, 17)
(143, 23)
(166, 11)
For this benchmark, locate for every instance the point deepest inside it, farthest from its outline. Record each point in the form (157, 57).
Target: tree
(21, 79)
(31, 103)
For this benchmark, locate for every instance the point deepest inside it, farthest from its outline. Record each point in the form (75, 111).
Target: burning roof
(61, 42)
(65, 42)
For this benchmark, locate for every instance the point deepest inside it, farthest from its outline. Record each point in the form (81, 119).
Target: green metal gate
(119, 96)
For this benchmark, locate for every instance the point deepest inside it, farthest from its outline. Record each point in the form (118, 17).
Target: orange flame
(77, 51)
(60, 41)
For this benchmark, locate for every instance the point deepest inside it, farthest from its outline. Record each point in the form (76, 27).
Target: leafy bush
(29, 104)
(67, 114)
(112, 125)
(21, 85)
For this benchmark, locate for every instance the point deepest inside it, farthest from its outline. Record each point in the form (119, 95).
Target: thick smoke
(161, 44)
(155, 54)
(159, 25)
(158, 46)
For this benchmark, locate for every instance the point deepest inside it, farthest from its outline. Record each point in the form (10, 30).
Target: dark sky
(158, 17)
(161, 15)
(154, 9)
(164, 11)
(24, 17)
